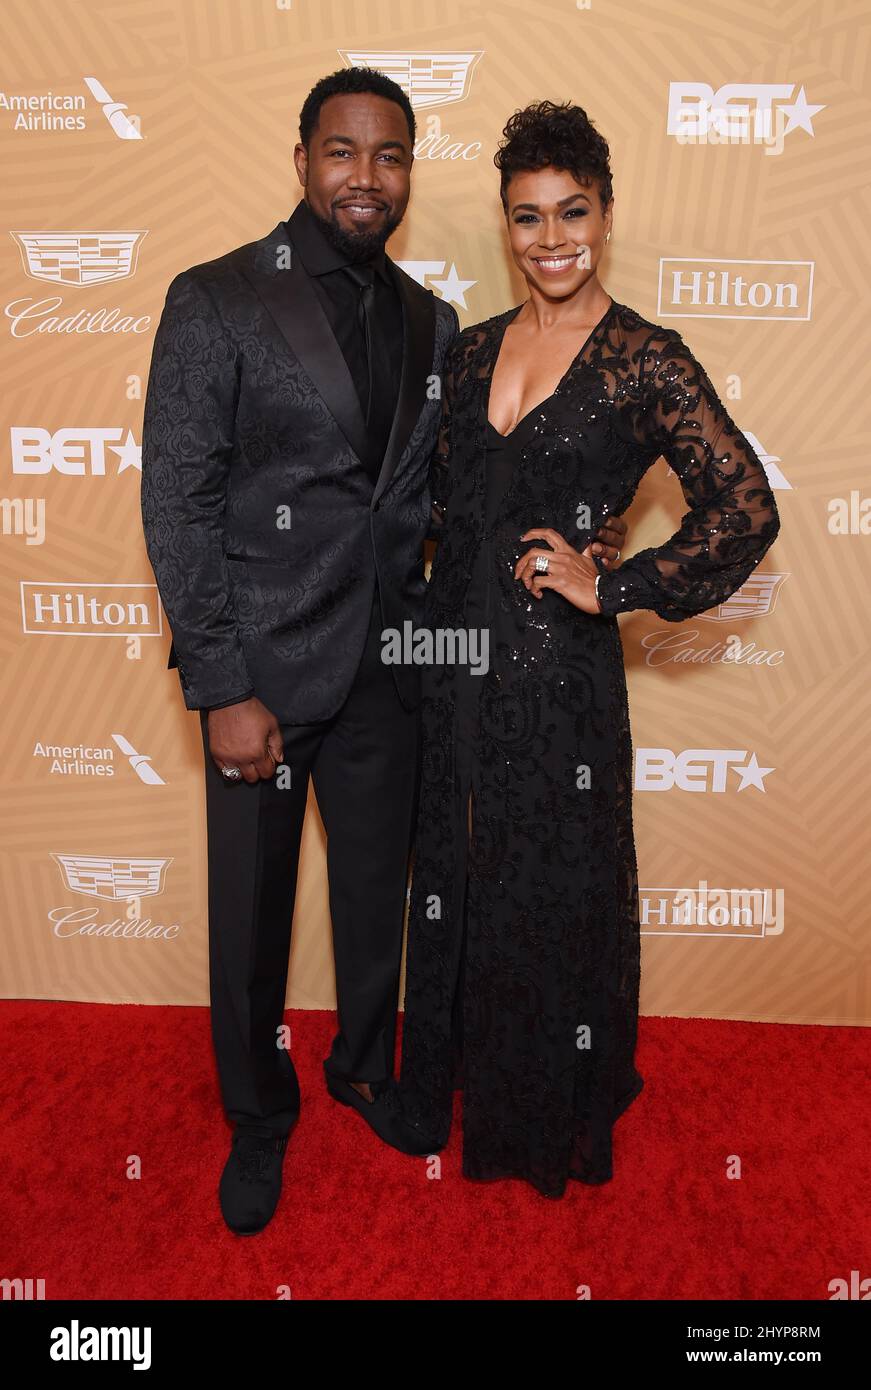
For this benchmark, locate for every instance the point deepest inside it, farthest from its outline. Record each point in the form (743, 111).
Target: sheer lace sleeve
(733, 517)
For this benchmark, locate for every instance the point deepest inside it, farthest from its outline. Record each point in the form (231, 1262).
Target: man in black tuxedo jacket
(290, 418)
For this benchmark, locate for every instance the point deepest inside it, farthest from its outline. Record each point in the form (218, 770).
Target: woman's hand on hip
(570, 572)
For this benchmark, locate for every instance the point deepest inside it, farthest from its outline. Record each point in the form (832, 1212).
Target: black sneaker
(251, 1182)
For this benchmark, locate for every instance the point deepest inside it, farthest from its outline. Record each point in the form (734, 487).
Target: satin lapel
(296, 310)
(418, 322)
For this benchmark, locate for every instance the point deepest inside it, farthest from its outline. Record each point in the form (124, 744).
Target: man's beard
(356, 246)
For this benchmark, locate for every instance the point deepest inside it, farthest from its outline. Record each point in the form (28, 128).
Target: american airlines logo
(96, 761)
(77, 451)
(698, 770)
(65, 113)
(79, 258)
(90, 610)
(709, 288)
(745, 113)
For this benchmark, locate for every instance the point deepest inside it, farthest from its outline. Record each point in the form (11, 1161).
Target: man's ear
(300, 160)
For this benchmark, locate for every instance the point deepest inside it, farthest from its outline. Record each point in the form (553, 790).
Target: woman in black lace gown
(523, 958)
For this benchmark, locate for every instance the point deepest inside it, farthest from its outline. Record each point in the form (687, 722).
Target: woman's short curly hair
(559, 135)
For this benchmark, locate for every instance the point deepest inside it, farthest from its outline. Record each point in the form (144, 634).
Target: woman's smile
(555, 265)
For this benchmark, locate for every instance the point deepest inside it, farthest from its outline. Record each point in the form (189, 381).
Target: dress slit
(461, 916)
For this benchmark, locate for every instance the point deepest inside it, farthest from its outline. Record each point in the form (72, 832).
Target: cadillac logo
(428, 79)
(97, 876)
(79, 258)
(756, 597)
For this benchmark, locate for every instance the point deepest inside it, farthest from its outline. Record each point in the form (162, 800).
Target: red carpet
(86, 1086)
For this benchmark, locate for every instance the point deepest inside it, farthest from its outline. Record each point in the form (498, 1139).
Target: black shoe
(251, 1182)
(383, 1114)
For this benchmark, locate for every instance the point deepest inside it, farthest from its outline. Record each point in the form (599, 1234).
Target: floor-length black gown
(523, 961)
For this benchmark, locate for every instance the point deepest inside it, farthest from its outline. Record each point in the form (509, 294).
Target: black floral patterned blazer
(261, 523)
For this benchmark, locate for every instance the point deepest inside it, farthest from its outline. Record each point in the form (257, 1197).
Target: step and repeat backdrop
(138, 139)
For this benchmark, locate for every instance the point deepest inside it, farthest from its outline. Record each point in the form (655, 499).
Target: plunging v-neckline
(569, 368)
(521, 429)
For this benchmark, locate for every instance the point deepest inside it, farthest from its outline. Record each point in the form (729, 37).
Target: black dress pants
(364, 764)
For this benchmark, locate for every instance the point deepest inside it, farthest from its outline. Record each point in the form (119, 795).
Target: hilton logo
(90, 610)
(711, 288)
(706, 911)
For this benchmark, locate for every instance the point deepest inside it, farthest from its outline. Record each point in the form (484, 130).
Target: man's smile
(362, 210)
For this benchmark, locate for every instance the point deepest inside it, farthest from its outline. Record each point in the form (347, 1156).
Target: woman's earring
(608, 237)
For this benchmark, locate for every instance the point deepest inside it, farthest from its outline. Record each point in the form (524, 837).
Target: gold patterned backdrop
(139, 138)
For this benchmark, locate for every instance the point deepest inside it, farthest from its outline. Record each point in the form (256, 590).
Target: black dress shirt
(339, 296)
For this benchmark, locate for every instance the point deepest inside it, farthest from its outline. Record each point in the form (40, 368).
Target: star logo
(751, 774)
(130, 453)
(800, 114)
(453, 289)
